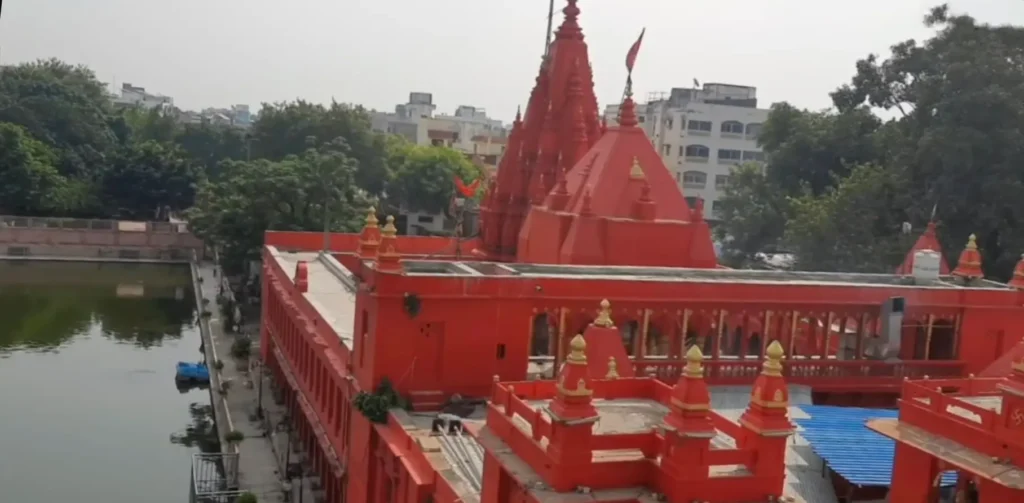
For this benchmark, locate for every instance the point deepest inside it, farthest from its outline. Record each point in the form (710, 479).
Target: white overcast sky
(473, 52)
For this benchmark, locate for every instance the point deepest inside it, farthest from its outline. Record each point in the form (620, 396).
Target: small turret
(1017, 281)
(769, 402)
(575, 394)
(389, 259)
(691, 402)
(969, 265)
(369, 238)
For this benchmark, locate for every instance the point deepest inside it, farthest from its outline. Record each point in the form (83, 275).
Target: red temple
(632, 367)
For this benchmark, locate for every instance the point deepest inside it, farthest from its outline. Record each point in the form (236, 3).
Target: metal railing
(214, 478)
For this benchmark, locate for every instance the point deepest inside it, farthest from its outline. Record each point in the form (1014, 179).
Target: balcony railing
(851, 374)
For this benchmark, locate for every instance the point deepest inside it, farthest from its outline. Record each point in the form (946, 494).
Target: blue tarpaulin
(840, 437)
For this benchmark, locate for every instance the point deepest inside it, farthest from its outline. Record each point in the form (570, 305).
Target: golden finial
(389, 229)
(972, 242)
(577, 351)
(604, 317)
(636, 172)
(371, 218)
(694, 362)
(773, 365)
(613, 369)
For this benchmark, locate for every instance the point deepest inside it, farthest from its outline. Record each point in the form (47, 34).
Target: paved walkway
(261, 455)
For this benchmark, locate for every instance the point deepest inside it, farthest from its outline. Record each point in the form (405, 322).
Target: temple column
(716, 343)
(793, 321)
(991, 492)
(913, 475)
(862, 333)
(929, 328)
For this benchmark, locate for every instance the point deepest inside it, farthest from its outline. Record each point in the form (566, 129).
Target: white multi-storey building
(134, 96)
(469, 130)
(701, 134)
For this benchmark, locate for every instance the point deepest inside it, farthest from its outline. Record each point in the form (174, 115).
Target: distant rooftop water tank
(926, 266)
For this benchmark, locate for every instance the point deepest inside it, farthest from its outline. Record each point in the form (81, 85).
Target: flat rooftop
(458, 458)
(332, 290)
(674, 274)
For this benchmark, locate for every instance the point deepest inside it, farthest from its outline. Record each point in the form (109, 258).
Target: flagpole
(630, 60)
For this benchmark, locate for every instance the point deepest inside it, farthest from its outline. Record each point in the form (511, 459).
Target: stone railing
(85, 238)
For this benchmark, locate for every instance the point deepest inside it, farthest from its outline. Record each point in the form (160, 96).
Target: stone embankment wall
(71, 238)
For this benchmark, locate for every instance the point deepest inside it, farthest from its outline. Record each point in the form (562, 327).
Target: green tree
(150, 125)
(29, 180)
(813, 150)
(753, 213)
(960, 96)
(284, 129)
(208, 145)
(147, 178)
(423, 176)
(853, 227)
(292, 194)
(63, 106)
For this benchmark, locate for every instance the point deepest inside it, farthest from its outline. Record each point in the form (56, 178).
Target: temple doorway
(540, 339)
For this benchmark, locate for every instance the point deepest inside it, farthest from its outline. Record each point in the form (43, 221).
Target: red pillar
(913, 475)
(991, 492)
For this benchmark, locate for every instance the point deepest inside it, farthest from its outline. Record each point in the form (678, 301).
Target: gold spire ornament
(577, 351)
(773, 363)
(613, 369)
(389, 229)
(694, 363)
(371, 218)
(604, 316)
(636, 172)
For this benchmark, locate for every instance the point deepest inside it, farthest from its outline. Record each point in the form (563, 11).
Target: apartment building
(469, 130)
(135, 96)
(702, 133)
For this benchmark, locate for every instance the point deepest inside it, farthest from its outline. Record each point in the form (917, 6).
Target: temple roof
(927, 241)
(616, 171)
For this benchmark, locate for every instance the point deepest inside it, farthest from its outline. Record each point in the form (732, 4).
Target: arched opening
(630, 331)
(540, 339)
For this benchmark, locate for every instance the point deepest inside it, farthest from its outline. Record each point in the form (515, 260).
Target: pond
(91, 412)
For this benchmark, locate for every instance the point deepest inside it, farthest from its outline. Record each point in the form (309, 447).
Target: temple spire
(969, 265)
(627, 112)
(388, 259)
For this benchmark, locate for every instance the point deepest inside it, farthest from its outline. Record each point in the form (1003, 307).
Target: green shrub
(241, 348)
(234, 436)
(375, 406)
(246, 497)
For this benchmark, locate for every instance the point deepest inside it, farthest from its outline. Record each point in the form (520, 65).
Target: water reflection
(44, 317)
(96, 347)
(200, 433)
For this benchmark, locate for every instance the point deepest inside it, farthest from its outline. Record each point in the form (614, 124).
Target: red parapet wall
(938, 406)
(820, 375)
(421, 246)
(509, 405)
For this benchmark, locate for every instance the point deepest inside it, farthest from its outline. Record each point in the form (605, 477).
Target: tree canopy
(839, 184)
(66, 150)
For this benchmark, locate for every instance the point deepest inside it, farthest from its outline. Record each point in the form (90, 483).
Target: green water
(89, 410)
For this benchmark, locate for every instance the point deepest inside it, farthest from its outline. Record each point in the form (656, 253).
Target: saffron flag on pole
(633, 51)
